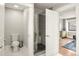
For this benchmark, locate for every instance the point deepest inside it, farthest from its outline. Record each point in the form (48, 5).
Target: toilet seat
(15, 45)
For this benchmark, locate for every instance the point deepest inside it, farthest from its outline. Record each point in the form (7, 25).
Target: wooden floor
(63, 51)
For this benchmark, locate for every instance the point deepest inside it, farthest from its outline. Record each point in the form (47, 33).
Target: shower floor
(40, 47)
(8, 52)
(41, 53)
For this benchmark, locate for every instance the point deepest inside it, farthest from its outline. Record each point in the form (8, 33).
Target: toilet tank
(15, 37)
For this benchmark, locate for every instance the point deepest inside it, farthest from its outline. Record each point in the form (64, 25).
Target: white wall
(1, 20)
(25, 26)
(13, 24)
(68, 13)
(31, 29)
(2, 9)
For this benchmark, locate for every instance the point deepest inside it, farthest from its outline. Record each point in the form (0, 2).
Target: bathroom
(16, 29)
(26, 29)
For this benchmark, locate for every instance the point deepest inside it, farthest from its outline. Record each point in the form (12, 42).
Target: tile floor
(8, 52)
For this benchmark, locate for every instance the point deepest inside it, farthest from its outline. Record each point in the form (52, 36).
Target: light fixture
(16, 6)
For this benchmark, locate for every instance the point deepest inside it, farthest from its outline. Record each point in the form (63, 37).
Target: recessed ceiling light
(16, 6)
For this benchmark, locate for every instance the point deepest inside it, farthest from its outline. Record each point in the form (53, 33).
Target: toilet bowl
(15, 42)
(1, 42)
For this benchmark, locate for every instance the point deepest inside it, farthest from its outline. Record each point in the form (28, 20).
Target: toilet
(15, 42)
(1, 42)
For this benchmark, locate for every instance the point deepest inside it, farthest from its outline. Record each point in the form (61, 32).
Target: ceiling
(49, 5)
(12, 6)
(41, 6)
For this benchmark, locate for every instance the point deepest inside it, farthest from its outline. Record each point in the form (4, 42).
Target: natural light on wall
(16, 6)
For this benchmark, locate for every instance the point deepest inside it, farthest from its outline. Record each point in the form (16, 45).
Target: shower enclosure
(39, 35)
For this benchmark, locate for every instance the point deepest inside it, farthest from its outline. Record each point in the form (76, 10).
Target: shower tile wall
(42, 27)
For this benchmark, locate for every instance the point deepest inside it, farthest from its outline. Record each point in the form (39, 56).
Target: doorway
(67, 40)
(39, 34)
